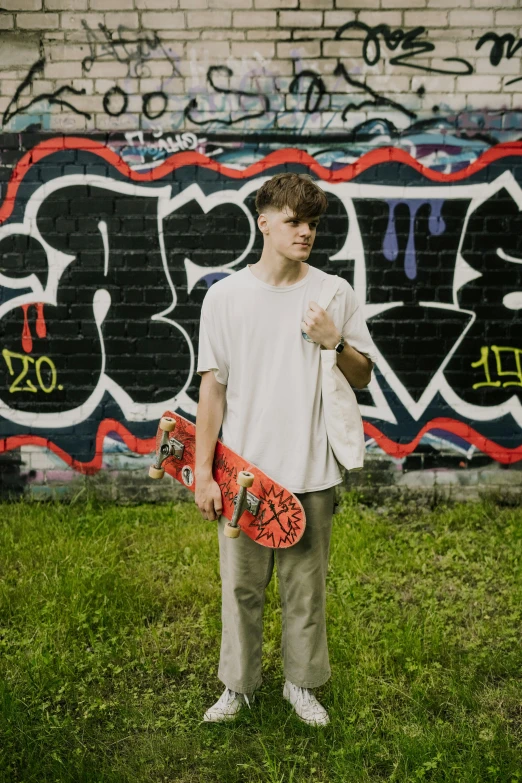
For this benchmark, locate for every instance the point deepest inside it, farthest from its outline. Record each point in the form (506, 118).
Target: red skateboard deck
(273, 516)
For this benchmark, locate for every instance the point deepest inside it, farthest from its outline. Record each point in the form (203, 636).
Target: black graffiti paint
(135, 52)
(261, 102)
(55, 98)
(378, 100)
(407, 42)
(503, 46)
(315, 92)
(115, 101)
(150, 107)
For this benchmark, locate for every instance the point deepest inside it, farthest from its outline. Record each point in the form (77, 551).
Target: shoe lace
(231, 695)
(304, 695)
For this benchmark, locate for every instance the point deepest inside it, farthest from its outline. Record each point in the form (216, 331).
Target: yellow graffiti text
(497, 351)
(26, 362)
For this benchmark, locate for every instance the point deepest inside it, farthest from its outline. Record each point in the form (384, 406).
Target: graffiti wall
(109, 241)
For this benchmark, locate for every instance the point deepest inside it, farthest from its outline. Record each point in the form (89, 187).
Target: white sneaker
(227, 706)
(305, 704)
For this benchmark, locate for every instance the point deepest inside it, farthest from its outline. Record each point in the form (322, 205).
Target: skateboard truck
(244, 501)
(169, 447)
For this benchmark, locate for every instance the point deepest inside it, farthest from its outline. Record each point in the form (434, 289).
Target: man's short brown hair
(298, 192)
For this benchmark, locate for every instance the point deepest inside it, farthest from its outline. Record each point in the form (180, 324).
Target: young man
(262, 381)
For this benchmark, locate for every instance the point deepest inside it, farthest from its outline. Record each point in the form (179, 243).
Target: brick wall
(133, 64)
(408, 111)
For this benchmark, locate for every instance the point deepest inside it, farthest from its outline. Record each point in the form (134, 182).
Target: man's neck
(282, 273)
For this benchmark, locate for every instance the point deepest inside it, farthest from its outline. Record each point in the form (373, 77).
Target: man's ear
(262, 222)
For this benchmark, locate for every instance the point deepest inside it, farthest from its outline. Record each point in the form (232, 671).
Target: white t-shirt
(250, 336)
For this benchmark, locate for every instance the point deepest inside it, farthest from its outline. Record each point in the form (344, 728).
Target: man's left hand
(319, 327)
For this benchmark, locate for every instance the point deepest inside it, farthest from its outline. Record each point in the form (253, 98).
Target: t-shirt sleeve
(212, 351)
(355, 330)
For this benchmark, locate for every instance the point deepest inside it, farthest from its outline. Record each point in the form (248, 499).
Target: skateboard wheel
(156, 473)
(231, 532)
(167, 424)
(245, 479)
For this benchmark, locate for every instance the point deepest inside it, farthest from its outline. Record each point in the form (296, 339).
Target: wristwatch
(340, 345)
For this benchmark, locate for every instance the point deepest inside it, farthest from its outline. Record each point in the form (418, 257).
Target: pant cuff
(240, 687)
(314, 683)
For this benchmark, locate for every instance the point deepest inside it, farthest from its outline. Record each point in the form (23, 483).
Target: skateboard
(252, 502)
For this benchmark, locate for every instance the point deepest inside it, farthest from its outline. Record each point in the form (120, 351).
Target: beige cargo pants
(246, 569)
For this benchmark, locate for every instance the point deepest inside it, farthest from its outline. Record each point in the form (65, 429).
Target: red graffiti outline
(288, 155)
(146, 446)
(385, 154)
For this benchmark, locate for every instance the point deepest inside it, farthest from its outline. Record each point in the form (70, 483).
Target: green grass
(109, 643)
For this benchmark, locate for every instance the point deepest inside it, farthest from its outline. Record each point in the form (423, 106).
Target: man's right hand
(208, 498)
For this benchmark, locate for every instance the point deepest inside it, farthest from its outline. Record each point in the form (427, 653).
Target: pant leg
(246, 569)
(302, 586)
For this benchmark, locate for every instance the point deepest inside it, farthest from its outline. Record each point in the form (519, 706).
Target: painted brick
(310, 35)
(67, 123)
(357, 4)
(118, 5)
(490, 100)
(16, 50)
(190, 5)
(483, 65)
(299, 49)
(172, 37)
(403, 3)
(56, 52)
(156, 20)
(201, 19)
(449, 4)
(232, 4)
(210, 49)
(322, 66)
(316, 5)
(478, 83)
(338, 18)
(6, 21)
(66, 5)
(342, 48)
(263, 35)
(37, 21)
(427, 19)
(102, 85)
(223, 35)
(505, 17)
(278, 4)
(249, 19)
(113, 20)
(84, 84)
(391, 18)
(74, 22)
(20, 5)
(263, 48)
(159, 67)
(515, 88)
(63, 70)
(106, 69)
(472, 18)
(300, 19)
